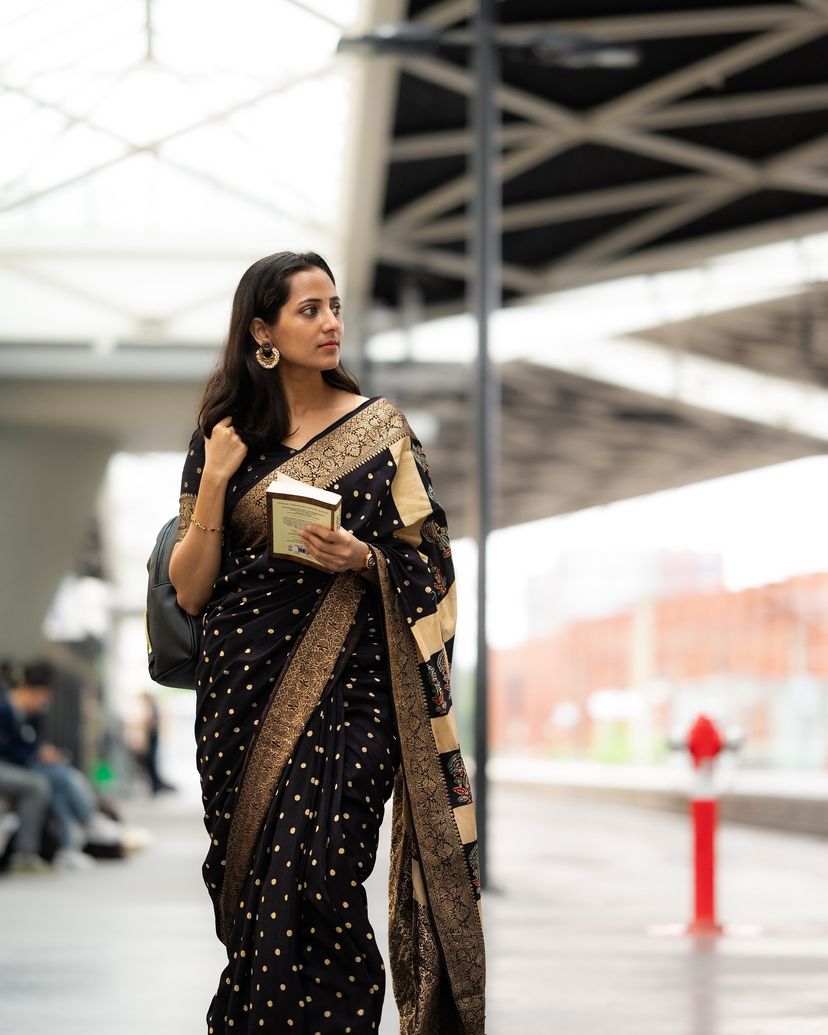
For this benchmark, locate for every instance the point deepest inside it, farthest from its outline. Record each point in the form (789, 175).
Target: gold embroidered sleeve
(186, 508)
(190, 482)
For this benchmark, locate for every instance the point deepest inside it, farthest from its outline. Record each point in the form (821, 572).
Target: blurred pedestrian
(150, 734)
(43, 765)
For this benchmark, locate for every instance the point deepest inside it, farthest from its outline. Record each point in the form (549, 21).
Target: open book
(290, 506)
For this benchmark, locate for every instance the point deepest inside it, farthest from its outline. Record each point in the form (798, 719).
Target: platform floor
(577, 926)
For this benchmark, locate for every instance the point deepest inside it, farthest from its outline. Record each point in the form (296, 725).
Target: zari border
(448, 884)
(292, 703)
(327, 459)
(186, 509)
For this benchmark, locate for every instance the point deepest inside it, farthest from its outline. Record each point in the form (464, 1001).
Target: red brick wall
(768, 633)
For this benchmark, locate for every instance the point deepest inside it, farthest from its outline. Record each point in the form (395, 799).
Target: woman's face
(308, 330)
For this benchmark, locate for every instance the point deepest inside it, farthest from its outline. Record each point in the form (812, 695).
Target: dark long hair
(238, 386)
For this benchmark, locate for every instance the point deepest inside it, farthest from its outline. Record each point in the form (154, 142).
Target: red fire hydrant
(705, 744)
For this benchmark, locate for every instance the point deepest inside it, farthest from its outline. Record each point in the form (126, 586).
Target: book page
(283, 485)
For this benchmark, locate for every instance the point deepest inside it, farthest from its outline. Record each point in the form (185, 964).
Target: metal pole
(486, 297)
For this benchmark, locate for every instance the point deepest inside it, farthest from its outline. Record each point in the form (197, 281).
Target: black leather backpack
(173, 635)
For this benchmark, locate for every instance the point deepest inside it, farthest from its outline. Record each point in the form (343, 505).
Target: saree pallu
(317, 694)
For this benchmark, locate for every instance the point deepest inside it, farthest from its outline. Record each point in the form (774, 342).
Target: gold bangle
(204, 528)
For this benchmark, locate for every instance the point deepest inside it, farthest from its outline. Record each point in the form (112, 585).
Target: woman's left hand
(336, 551)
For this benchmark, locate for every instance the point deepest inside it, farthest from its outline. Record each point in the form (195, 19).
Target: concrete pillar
(50, 479)
(642, 673)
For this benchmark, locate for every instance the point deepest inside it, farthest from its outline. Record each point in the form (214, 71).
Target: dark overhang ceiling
(570, 442)
(716, 141)
(718, 136)
(786, 337)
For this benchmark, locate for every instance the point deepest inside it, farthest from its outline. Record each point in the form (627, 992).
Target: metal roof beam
(628, 123)
(636, 233)
(792, 169)
(582, 205)
(711, 69)
(815, 150)
(655, 224)
(447, 13)
(670, 24)
(759, 105)
(603, 122)
(762, 104)
(451, 264)
(698, 250)
(802, 180)
(679, 152)
(815, 5)
(416, 147)
(529, 106)
(458, 190)
(569, 125)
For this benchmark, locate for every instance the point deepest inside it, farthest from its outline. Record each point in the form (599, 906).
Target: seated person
(6, 675)
(9, 825)
(29, 792)
(29, 795)
(68, 792)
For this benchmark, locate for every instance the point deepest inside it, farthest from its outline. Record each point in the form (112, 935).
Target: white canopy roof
(153, 150)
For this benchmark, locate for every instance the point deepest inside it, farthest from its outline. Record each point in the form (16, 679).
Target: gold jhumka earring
(267, 355)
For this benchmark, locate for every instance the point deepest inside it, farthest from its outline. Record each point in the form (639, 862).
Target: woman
(321, 689)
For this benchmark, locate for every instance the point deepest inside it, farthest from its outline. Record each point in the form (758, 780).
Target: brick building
(614, 687)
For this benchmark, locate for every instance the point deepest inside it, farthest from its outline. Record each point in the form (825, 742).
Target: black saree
(317, 694)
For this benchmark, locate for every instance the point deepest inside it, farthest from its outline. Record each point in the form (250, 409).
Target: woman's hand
(196, 561)
(223, 451)
(336, 551)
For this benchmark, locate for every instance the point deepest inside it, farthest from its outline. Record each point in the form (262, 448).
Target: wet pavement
(583, 924)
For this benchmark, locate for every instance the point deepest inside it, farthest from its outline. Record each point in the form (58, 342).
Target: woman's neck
(305, 391)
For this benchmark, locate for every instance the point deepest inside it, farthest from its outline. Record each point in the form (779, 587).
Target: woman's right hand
(224, 451)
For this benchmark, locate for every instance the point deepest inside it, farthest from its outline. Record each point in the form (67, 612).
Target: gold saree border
(336, 453)
(449, 889)
(423, 994)
(296, 695)
(186, 509)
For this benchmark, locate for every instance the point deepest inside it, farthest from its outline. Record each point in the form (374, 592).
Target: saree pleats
(302, 953)
(298, 690)
(317, 695)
